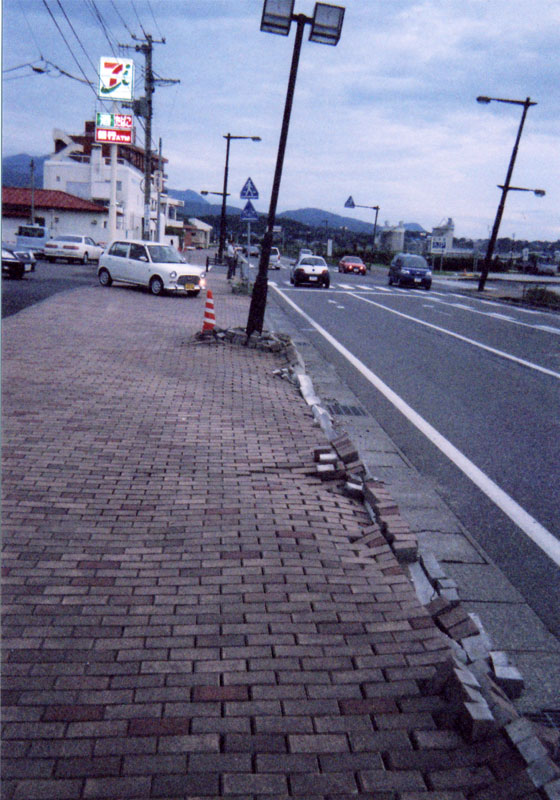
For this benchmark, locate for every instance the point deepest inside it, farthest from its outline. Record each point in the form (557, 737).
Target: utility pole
(144, 108)
(32, 165)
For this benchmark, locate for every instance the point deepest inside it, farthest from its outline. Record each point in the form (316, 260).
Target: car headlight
(429, 273)
(173, 276)
(405, 271)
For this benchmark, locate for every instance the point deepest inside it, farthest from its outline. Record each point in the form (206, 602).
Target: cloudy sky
(388, 116)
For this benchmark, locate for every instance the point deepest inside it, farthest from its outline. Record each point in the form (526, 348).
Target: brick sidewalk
(186, 612)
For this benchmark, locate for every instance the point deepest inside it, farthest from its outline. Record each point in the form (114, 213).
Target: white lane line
(524, 521)
(466, 339)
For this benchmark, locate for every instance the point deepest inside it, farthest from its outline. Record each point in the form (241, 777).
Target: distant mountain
(316, 218)
(16, 170)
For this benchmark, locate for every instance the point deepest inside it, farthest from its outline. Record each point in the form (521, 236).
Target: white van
(32, 238)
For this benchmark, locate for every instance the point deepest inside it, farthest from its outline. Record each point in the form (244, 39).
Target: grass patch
(539, 296)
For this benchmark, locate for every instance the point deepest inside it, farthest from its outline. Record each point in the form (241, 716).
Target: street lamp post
(326, 26)
(506, 186)
(228, 137)
(351, 204)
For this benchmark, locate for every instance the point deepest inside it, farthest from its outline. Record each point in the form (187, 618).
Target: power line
(98, 17)
(76, 35)
(68, 45)
(121, 18)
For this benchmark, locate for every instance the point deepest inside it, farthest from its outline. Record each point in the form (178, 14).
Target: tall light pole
(351, 204)
(228, 137)
(506, 186)
(326, 27)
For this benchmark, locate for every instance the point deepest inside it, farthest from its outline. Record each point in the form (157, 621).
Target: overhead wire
(76, 35)
(68, 45)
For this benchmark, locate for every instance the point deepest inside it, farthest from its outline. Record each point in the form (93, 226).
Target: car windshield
(69, 238)
(353, 260)
(313, 261)
(415, 261)
(164, 254)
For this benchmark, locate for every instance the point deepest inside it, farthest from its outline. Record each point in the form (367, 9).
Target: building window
(119, 186)
(58, 178)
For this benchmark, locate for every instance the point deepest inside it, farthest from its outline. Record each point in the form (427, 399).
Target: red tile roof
(15, 196)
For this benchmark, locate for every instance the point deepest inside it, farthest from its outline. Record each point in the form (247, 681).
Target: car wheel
(85, 259)
(326, 283)
(105, 277)
(156, 285)
(390, 280)
(428, 287)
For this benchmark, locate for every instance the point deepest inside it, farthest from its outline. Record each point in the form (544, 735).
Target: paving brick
(190, 611)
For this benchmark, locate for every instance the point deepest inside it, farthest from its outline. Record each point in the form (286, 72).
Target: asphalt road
(485, 376)
(46, 280)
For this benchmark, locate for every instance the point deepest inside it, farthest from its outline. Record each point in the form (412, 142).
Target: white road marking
(466, 339)
(542, 537)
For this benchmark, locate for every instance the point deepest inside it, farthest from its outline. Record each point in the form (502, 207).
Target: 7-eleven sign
(116, 78)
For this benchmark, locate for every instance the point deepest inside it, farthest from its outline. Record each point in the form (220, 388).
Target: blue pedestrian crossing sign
(249, 214)
(249, 191)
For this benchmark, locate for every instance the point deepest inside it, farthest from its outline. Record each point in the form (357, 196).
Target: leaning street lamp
(228, 137)
(506, 186)
(351, 204)
(326, 27)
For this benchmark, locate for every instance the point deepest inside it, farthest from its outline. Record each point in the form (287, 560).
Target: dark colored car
(12, 266)
(352, 264)
(408, 269)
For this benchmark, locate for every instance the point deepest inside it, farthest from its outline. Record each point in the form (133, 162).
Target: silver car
(312, 270)
(72, 247)
(153, 264)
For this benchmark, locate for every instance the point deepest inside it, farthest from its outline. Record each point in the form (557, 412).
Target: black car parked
(12, 266)
(410, 270)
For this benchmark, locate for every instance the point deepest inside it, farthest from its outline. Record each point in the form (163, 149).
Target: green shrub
(539, 296)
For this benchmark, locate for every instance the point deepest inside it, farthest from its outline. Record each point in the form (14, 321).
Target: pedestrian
(230, 260)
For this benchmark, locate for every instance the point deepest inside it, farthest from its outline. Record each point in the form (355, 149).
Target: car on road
(12, 266)
(24, 255)
(274, 260)
(305, 252)
(72, 248)
(352, 264)
(153, 264)
(253, 250)
(310, 269)
(408, 269)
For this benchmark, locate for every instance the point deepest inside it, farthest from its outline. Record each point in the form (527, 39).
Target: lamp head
(326, 25)
(483, 99)
(539, 192)
(277, 16)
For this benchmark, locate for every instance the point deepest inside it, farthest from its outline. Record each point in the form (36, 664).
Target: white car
(311, 269)
(153, 264)
(274, 260)
(72, 248)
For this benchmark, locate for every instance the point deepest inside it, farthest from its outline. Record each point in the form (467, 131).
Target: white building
(82, 167)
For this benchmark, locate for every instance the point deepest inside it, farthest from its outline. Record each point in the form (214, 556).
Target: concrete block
(510, 680)
(543, 771)
(476, 721)
(532, 749)
(519, 729)
(432, 567)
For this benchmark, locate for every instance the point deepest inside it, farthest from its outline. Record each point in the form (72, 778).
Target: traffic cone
(209, 318)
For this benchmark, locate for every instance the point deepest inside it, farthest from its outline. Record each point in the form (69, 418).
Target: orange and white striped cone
(209, 318)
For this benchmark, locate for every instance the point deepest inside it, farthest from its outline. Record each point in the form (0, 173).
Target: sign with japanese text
(121, 121)
(116, 78)
(438, 244)
(113, 136)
